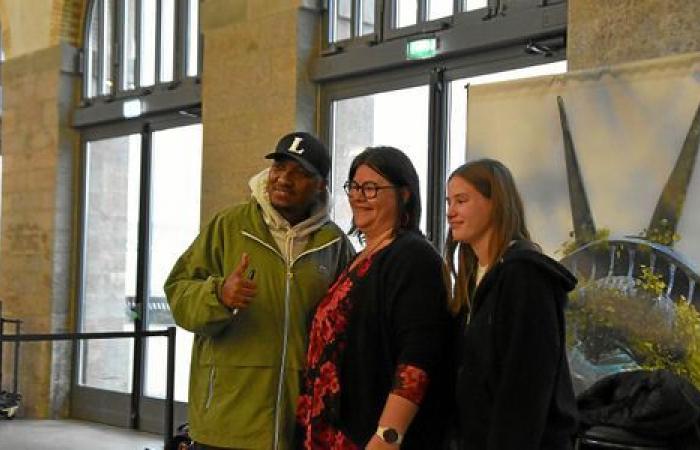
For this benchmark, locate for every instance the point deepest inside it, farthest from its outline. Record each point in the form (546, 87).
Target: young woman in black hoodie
(514, 389)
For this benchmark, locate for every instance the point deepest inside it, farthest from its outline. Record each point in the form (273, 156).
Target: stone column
(37, 237)
(604, 33)
(255, 88)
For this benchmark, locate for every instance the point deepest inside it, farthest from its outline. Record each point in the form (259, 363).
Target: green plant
(600, 238)
(655, 331)
(664, 234)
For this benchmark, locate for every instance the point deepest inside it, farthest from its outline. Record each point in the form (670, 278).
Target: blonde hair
(494, 181)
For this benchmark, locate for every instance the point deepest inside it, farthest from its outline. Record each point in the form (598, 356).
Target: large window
(352, 19)
(132, 46)
(141, 209)
(416, 120)
(142, 152)
(110, 238)
(398, 118)
(405, 83)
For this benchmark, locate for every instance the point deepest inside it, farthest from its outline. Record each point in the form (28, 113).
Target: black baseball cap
(305, 149)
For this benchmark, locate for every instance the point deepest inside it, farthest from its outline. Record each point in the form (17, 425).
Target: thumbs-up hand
(237, 290)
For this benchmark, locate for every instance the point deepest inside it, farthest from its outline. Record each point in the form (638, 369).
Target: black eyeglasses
(368, 189)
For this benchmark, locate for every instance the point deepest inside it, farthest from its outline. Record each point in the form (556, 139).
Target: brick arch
(64, 23)
(4, 26)
(68, 21)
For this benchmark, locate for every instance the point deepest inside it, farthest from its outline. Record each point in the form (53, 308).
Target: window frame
(330, 47)
(462, 34)
(183, 90)
(86, 400)
(439, 75)
(164, 105)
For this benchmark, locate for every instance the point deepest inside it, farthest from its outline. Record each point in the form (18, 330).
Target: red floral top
(319, 403)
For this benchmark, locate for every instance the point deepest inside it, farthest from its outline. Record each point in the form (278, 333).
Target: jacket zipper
(210, 396)
(285, 337)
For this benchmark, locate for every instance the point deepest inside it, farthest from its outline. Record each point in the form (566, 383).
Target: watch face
(390, 435)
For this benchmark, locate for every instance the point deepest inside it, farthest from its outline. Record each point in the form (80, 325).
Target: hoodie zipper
(285, 339)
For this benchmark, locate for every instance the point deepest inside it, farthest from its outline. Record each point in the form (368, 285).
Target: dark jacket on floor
(655, 404)
(514, 390)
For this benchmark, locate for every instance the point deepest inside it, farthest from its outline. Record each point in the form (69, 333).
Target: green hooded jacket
(246, 368)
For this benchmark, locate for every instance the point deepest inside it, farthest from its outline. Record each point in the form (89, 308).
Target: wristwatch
(389, 435)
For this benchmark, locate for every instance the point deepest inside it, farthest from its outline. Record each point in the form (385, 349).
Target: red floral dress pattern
(319, 402)
(410, 383)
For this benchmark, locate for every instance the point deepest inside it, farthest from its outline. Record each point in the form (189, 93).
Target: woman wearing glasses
(378, 345)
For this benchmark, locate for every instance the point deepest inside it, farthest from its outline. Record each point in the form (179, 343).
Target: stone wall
(36, 251)
(604, 33)
(255, 88)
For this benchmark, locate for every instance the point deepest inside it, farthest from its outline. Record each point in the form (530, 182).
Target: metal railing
(169, 333)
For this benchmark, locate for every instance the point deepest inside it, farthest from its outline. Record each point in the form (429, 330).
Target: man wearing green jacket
(247, 288)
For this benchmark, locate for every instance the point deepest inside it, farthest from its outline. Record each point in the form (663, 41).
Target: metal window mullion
(80, 348)
(422, 12)
(120, 42)
(437, 151)
(200, 40)
(114, 55)
(327, 21)
(392, 18)
(100, 53)
(87, 58)
(159, 41)
(330, 28)
(142, 274)
(138, 42)
(379, 20)
(355, 18)
(181, 39)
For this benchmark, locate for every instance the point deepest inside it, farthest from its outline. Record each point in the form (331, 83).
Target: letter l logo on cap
(294, 147)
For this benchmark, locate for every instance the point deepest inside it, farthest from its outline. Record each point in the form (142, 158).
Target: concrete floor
(19, 434)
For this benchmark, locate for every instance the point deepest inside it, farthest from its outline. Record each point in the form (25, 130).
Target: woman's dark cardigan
(514, 389)
(399, 317)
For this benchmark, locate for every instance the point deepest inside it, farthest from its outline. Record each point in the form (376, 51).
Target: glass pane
(109, 275)
(92, 53)
(342, 20)
(458, 103)
(147, 58)
(471, 5)
(406, 13)
(106, 84)
(397, 118)
(193, 42)
(439, 8)
(129, 63)
(177, 168)
(367, 25)
(167, 39)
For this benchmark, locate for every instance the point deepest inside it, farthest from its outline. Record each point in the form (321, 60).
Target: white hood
(291, 240)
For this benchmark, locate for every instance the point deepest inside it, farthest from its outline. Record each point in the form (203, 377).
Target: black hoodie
(514, 389)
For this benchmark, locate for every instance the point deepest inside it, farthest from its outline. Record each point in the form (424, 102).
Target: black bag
(181, 440)
(9, 403)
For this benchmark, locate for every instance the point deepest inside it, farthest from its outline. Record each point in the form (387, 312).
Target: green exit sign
(421, 48)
